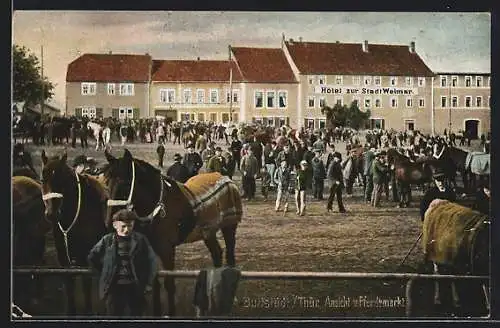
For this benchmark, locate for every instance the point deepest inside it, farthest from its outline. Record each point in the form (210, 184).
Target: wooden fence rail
(277, 275)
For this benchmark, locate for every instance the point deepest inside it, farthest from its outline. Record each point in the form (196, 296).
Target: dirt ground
(365, 239)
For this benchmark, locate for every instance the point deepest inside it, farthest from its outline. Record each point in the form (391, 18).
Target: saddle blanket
(216, 202)
(448, 232)
(478, 163)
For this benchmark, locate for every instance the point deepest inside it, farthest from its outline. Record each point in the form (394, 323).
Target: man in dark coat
(160, 151)
(439, 190)
(235, 147)
(178, 171)
(336, 183)
(319, 175)
(193, 161)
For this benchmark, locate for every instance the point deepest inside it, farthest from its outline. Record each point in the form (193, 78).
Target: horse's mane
(97, 184)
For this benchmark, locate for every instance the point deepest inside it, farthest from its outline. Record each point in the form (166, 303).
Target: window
(479, 101)
(454, 101)
(409, 102)
(443, 101)
(126, 89)
(213, 117)
(479, 81)
(356, 80)
(488, 79)
(355, 101)
(454, 81)
(311, 80)
(235, 96)
(421, 81)
(339, 101)
(111, 89)
(322, 79)
(468, 81)
(394, 102)
(125, 112)
(88, 89)
(393, 81)
(322, 102)
(271, 96)
(167, 96)
(377, 80)
(259, 99)
(444, 81)
(282, 99)
(338, 79)
(378, 102)
(225, 117)
(89, 112)
(368, 102)
(187, 96)
(409, 81)
(421, 102)
(468, 101)
(200, 96)
(214, 96)
(367, 80)
(311, 102)
(201, 117)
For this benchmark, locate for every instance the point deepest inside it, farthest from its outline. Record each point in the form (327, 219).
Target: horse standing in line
(75, 204)
(173, 213)
(29, 230)
(407, 173)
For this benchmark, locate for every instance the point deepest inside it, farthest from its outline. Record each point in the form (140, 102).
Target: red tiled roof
(193, 71)
(109, 68)
(263, 65)
(349, 59)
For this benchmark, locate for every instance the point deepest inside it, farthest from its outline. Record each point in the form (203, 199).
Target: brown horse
(76, 206)
(408, 173)
(29, 230)
(175, 213)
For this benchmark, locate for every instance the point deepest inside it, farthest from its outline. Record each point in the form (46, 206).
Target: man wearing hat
(192, 160)
(380, 175)
(160, 151)
(439, 190)
(178, 171)
(127, 266)
(318, 174)
(217, 163)
(336, 183)
(249, 169)
(300, 187)
(208, 153)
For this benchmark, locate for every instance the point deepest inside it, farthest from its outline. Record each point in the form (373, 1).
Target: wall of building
(101, 99)
(197, 111)
(251, 112)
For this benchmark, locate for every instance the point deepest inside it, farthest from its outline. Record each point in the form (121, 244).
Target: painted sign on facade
(356, 90)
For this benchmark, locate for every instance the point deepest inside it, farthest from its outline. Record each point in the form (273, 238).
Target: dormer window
(322, 79)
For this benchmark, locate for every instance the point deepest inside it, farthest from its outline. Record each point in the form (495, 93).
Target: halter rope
(51, 195)
(159, 206)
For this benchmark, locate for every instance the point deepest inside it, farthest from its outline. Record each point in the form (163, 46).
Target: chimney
(412, 47)
(300, 39)
(197, 58)
(365, 46)
(291, 40)
(110, 52)
(337, 41)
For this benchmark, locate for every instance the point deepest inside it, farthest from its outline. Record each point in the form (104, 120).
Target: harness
(65, 233)
(159, 208)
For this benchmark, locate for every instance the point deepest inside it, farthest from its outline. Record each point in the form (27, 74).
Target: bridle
(65, 233)
(159, 208)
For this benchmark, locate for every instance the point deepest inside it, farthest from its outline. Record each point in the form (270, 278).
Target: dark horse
(453, 160)
(29, 230)
(408, 173)
(76, 206)
(173, 213)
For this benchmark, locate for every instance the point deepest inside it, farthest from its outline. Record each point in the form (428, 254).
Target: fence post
(409, 301)
(156, 297)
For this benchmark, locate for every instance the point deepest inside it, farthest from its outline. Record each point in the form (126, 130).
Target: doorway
(472, 128)
(409, 125)
(377, 123)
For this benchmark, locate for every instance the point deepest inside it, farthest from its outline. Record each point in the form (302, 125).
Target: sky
(455, 42)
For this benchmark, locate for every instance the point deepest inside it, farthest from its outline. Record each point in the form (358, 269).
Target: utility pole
(449, 110)
(43, 85)
(230, 87)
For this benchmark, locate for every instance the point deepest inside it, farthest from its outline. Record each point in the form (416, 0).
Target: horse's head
(132, 183)
(55, 176)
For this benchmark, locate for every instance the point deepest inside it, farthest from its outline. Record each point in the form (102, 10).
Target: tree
(27, 81)
(341, 115)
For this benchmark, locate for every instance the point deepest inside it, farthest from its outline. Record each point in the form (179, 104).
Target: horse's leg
(229, 234)
(215, 249)
(167, 257)
(87, 291)
(408, 199)
(400, 187)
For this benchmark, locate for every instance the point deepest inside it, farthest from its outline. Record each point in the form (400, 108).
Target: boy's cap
(125, 215)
